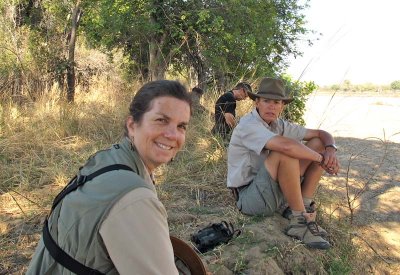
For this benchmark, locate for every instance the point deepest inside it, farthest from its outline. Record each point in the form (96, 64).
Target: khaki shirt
(147, 231)
(246, 151)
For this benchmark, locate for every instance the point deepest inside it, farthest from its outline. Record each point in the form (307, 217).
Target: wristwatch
(331, 145)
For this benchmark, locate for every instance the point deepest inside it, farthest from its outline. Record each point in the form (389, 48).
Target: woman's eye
(183, 127)
(161, 120)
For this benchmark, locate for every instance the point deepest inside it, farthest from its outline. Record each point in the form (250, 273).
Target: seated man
(268, 165)
(225, 110)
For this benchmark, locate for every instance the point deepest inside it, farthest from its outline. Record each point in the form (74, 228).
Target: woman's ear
(130, 125)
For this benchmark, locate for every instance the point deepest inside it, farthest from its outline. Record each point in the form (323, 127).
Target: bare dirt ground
(365, 115)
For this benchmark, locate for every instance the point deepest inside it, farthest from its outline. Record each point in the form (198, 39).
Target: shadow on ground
(369, 185)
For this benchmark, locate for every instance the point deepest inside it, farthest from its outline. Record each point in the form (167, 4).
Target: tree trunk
(157, 64)
(76, 16)
(198, 63)
(220, 80)
(202, 80)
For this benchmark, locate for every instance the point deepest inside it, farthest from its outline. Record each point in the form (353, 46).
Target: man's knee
(275, 157)
(276, 160)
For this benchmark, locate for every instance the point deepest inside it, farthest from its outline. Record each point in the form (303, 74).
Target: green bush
(395, 85)
(299, 91)
(335, 87)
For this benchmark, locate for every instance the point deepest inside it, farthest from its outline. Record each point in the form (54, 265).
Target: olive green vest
(75, 222)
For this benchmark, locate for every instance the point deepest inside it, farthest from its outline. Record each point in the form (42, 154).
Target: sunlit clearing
(203, 143)
(14, 113)
(61, 180)
(216, 155)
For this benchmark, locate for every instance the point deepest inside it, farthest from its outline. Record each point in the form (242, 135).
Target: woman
(112, 221)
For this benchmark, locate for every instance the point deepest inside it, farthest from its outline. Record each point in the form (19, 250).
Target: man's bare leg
(311, 171)
(286, 171)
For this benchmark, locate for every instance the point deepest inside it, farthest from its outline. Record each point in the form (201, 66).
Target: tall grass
(47, 139)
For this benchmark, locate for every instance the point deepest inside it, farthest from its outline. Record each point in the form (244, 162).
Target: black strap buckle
(81, 179)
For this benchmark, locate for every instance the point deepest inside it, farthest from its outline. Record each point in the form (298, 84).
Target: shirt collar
(148, 177)
(274, 124)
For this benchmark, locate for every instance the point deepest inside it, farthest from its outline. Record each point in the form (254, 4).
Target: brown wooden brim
(188, 256)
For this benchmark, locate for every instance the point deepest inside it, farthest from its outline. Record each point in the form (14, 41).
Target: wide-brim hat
(271, 88)
(186, 259)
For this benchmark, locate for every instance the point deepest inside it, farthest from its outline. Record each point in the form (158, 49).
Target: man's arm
(292, 148)
(298, 150)
(325, 137)
(230, 119)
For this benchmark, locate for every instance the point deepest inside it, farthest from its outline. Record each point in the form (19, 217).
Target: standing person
(268, 164)
(114, 222)
(225, 109)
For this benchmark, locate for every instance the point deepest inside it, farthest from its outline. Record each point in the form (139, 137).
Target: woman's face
(269, 109)
(161, 132)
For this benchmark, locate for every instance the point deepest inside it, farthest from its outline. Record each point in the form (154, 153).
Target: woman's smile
(161, 132)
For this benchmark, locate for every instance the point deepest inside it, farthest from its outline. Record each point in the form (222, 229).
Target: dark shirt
(226, 103)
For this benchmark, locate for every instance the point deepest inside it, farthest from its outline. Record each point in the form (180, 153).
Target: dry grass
(43, 143)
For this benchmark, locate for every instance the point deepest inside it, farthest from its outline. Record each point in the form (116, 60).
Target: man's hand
(230, 119)
(330, 162)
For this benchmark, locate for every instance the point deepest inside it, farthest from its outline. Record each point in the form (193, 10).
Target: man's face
(242, 94)
(269, 109)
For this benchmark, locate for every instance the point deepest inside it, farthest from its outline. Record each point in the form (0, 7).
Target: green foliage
(395, 85)
(254, 39)
(221, 41)
(340, 261)
(347, 86)
(230, 40)
(34, 45)
(299, 91)
(338, 267)
(335, 87)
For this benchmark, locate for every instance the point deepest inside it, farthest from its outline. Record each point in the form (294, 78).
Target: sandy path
(355, 116)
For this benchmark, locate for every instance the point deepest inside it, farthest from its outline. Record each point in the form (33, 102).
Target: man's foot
(310, 209)
(287, 212)
(305, 229)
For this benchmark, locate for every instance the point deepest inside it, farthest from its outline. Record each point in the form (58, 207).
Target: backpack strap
(81, 179)
(59, 255)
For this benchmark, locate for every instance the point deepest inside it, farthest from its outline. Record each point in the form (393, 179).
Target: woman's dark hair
(141, 102)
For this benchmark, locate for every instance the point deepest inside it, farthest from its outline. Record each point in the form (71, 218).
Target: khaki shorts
(262, 196)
